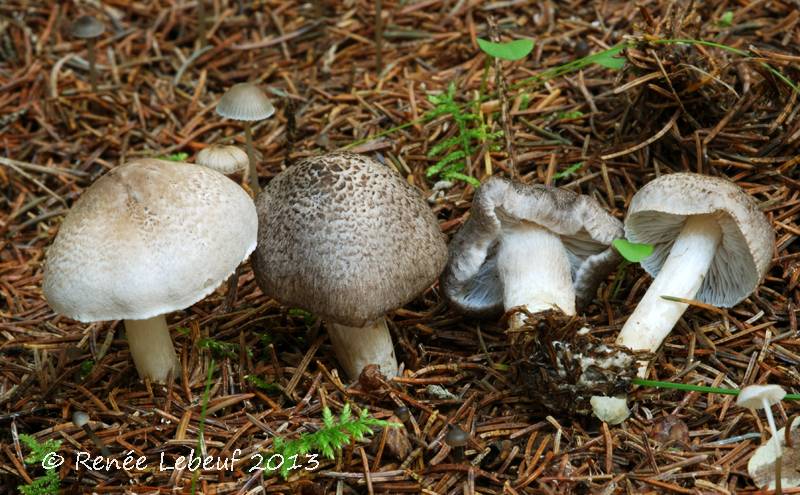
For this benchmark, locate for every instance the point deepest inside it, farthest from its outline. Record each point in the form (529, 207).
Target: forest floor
(724, 107)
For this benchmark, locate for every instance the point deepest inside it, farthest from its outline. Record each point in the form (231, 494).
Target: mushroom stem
(90, 49)
(681, 276)
(151, 348)
(356, 347)
(535, 271)
(252, 175)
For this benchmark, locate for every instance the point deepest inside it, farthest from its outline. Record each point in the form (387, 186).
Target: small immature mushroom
(532, 246)
(148, 238)
(348, 239)
(88, 28)
(246, 102)
(762, 397)
(457, 439)
(81, 420)
(224, 159)
(710, 242)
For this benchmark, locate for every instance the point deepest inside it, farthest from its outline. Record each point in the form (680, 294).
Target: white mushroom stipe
(536, 284)
(151, 348)
(356, 347)
(681, 276)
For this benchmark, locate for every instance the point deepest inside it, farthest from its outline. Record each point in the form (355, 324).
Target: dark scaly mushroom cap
(659, 210)
(471, 282)
(346, 238)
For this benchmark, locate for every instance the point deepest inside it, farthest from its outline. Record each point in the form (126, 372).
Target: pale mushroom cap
(470, 280)
(345, 238)
(752, 396)
(224, 159)
(80, 418)
(87, 26)
(657, 214)
(147, 238)
(245, 101)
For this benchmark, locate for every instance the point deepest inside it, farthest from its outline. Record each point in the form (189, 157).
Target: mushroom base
(564, 365)
(356, 347)
(151, 348)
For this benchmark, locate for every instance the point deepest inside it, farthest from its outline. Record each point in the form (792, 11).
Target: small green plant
(454, 153)
(49, 484)
(335, 434)
(726, 20)
(568, 171)
(86, 368)
(262, 384)
(510, 50)
(632, 251)
(307, 317)
(175, 157)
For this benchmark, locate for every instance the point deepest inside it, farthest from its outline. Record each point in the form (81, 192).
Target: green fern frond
(335, 434)
(49, 483)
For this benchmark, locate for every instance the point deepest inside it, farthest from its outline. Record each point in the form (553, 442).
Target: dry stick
(291, 131)
(201, 23)
(378, 38)
(252, 176)
(505, 116)
(92, 70)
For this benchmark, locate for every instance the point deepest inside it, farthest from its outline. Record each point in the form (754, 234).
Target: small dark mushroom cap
(659, 210)
(345, 238)
(245, 101)
(86, 27)
(456, 437)
(471, 282)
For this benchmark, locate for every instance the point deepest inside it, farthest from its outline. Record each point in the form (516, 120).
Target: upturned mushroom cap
(659, 210)
(86, 27)
(752, 396)
(761, 466)
(245, 101)
(147, 238)
(346, 238)
(470, 280)
(224, 159)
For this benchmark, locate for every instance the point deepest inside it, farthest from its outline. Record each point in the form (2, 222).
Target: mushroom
(710, 242)
(88, 28)
(778, 460)
(224, 159)
(348, 239)
(457, 439)
(529, 245)
(81, 420)
(148, 238)
(764, 397)
(246, 102)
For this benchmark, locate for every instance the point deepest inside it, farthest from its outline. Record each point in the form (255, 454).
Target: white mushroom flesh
(534, 268)
(681, 276)
(356, 347)
(151, 348)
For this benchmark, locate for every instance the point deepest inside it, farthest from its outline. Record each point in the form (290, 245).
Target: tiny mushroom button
(148, 238)
(88, 28)
(349, 240)
(224, 159)
(532, 246)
